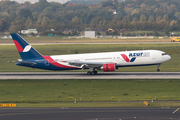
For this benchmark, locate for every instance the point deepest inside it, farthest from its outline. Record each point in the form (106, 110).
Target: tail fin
(25, 50)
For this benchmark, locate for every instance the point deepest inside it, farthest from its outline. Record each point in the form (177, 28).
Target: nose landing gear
(158, 67)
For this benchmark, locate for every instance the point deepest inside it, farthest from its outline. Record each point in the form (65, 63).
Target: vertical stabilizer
(25, 50)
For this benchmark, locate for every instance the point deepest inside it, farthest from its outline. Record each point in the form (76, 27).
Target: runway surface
(89, 114)
(83, 75)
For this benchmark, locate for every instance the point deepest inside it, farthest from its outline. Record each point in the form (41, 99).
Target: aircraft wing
(86, 65)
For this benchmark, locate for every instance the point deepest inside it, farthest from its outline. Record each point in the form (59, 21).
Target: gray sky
(32, 1)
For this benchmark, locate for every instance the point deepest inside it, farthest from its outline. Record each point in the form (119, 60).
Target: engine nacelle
(109, 67)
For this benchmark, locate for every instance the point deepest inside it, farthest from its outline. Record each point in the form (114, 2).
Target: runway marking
(176, 110)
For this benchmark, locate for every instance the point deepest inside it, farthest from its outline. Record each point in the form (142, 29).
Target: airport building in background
(90, 34)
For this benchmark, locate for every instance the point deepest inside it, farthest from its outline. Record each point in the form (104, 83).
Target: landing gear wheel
(158, 67)
(94, 72)
(89, 73)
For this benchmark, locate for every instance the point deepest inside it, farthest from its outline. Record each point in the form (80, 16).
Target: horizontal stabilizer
(27, 63)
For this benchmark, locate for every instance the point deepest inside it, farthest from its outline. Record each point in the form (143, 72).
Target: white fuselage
(141, 57)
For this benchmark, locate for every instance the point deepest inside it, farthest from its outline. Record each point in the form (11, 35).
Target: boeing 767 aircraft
(106, 61)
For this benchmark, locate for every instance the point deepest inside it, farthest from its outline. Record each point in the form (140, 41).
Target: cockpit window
(164, 54)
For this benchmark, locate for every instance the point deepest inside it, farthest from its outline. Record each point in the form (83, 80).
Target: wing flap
(87, 64)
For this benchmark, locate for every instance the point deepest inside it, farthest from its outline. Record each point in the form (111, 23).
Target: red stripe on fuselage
(51, 61)
(125, 57)
(18, 46)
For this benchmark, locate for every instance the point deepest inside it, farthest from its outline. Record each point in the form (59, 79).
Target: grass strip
(90, 93)
(85, 40)
(65, 105)
(38, 91)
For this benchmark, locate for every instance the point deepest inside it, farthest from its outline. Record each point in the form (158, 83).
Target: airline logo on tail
(27, 48)
(20, 48)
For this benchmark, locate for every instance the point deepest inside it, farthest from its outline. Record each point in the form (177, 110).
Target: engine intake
(109, 67)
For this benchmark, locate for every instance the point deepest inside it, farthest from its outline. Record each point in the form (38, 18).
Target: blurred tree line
(155, 15)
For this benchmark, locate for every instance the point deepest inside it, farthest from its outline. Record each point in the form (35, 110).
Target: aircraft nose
(168, 57)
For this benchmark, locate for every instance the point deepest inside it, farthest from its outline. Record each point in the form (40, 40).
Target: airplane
(106, 61)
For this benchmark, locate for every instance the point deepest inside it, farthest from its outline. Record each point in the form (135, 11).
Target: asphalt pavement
(83, 75)
(146, 113)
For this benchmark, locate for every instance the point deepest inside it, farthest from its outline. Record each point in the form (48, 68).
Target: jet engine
(108, 67)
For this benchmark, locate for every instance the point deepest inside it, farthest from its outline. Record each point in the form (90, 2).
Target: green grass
(9, 54)
(85, 40)
(116, 104)
(35, 91)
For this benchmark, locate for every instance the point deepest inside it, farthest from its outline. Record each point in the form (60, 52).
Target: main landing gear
(92, 72)
(158, 67)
